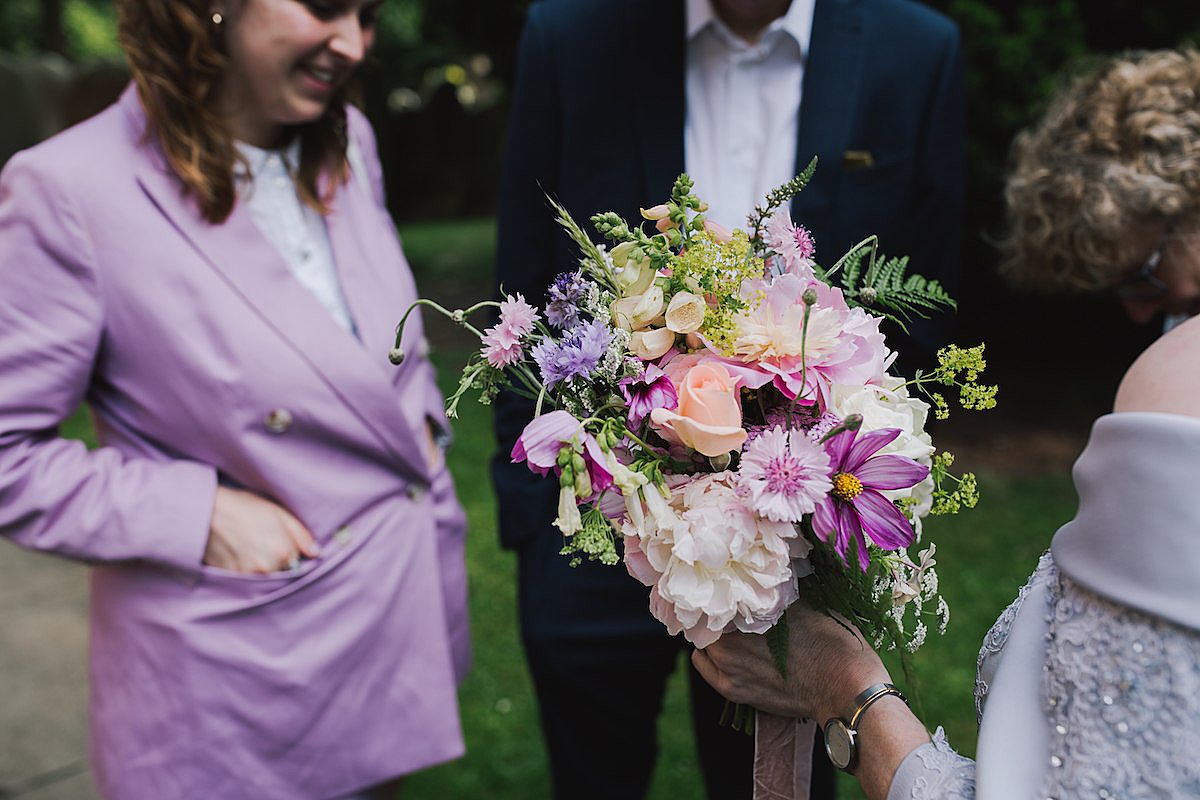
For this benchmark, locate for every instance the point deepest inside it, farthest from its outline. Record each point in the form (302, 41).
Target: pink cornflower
(502, 342)
(793, 243)
(785, 473)
(517, 316)
(856, 506)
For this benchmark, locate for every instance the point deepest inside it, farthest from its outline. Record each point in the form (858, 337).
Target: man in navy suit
(613, 99)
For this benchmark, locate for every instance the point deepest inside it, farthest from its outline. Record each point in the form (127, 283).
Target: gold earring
(217, 18)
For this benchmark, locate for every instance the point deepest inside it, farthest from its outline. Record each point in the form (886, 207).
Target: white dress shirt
(743, 108)
(296, 230)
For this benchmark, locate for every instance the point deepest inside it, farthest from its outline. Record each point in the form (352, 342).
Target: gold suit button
(343, 536)
(415, 492)
(278, 420)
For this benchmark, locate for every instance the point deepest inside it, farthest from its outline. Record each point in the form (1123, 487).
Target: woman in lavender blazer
(1089, 683)
(278, 588)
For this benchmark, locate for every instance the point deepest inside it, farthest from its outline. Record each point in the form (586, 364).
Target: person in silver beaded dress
(1089, 683)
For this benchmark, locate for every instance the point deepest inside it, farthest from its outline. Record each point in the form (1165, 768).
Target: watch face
(839, 743)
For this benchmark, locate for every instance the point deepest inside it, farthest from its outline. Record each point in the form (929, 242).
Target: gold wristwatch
(841, 733)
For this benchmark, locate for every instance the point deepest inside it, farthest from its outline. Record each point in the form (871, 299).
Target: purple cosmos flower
(563, 296)
(855, 505)
(653, 390)
(576, 355)
(545, 436)
(785, 473)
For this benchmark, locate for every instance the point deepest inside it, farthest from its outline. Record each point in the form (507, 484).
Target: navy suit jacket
(597, 122)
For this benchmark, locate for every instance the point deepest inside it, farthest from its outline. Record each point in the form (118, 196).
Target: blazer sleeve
(55, 494)
(525, 258)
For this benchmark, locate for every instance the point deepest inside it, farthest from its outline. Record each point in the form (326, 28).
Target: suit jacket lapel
(655, 59)
(830, 98)
(248, 262)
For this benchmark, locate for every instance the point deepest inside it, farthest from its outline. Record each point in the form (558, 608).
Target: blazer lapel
(656, 48)
(244, 258)
(832, 76)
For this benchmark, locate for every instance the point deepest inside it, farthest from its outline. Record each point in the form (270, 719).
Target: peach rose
(708, 418)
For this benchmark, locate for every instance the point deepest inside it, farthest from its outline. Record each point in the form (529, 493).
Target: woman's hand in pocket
(249, 533)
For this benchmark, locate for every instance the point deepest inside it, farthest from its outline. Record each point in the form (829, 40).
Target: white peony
(710, 561)
(890, 406)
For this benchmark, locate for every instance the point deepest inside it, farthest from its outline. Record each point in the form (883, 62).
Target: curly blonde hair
(177, 56)
(1118, 147)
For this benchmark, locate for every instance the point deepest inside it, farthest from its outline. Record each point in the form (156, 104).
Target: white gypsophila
(594, 301)
(943, 615)
(918, 638)
(929, 584)
(613, 360)
(889, 406)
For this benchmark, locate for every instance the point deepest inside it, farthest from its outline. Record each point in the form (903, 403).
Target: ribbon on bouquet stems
(783, 749)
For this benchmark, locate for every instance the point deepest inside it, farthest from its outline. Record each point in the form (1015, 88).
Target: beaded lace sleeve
(1122, 697)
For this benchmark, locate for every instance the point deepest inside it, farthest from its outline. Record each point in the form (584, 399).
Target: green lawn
(983, 557)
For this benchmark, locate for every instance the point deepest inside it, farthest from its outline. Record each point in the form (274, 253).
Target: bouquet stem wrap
(783, 749)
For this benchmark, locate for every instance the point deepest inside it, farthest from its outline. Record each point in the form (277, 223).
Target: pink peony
(841, 345)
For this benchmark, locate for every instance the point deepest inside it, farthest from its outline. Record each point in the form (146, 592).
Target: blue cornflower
(574, 356)
(563, 296)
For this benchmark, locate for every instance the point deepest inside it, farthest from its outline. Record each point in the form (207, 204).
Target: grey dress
(1089, 683)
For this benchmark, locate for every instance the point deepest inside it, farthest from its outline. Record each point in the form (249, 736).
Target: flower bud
(651, 344)
(717, 231)
(634, 273)
(660, 211)
(809, 297)
(868, 295)
(396, 355)
(720, 463)
(685, 313)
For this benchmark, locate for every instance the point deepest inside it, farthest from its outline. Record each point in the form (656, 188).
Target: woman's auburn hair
(1118, 147)
(176, 55)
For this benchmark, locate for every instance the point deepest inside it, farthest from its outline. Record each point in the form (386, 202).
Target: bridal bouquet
(722, 404)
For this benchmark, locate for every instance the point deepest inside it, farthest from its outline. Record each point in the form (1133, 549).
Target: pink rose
(708, 418)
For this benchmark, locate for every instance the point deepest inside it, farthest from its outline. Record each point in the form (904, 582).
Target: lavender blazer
(205, 362)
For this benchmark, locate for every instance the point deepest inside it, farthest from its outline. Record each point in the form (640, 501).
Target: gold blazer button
(278, 420)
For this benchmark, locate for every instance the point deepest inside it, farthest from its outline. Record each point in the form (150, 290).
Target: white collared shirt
(743, 108)
(296, 230)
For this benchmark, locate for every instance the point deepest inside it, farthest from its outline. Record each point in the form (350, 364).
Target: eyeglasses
(1143, 284)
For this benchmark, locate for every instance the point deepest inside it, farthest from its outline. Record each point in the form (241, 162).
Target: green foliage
(884, 288)
(87, 27)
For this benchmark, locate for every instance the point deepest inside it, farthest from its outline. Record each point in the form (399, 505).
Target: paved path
(43, 677)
